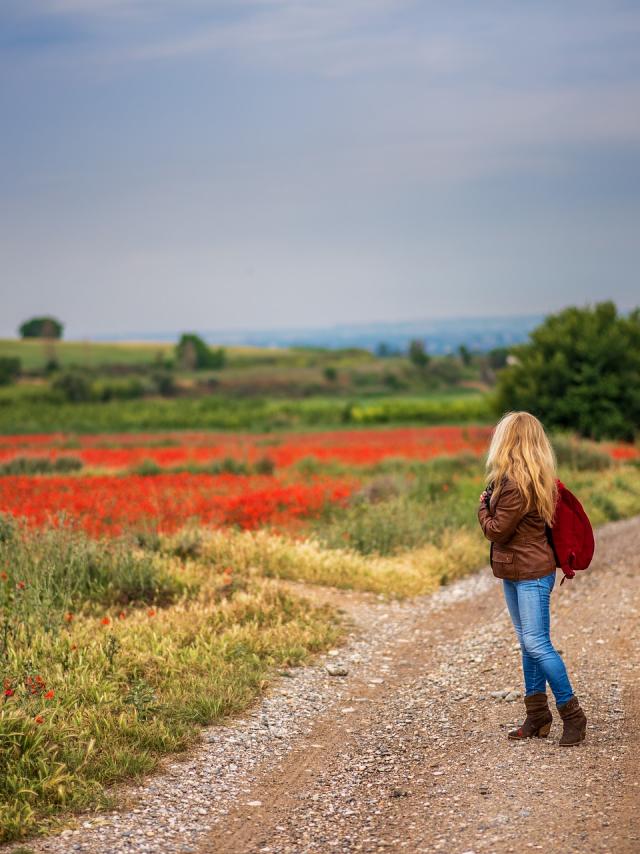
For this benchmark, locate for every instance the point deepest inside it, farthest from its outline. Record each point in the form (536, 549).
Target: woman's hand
(483, 497)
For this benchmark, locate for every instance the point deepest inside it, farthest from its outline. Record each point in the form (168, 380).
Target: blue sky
(170, 164)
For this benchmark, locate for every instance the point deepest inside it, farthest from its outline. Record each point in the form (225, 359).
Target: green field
(22, 410)
(34, 354)
(104, 387)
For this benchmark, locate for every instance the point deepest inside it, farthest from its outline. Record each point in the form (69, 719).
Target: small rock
(399, 793)
(336, 669)
(254, 803)
(513, 695)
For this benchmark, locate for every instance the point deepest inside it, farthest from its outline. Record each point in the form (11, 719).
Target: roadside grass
(98, 694)
(410, 573)
(414, 538)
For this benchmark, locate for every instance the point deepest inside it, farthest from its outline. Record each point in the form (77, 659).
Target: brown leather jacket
(519, 547)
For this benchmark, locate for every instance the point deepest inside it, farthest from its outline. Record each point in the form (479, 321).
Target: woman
(514, 509)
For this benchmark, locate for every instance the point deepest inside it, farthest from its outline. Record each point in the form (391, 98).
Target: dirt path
(408, 751)
(421, 762)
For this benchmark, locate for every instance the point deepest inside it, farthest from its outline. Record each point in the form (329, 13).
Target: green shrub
(229, 465)
(124, 389)
(147, 468)
(73, 386)
(264, 465)
(40, 465)
(580, 455)
(606, 505)
(164, 383)
(9, 369)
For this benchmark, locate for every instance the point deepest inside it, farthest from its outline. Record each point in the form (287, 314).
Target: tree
(465, 354)
(580, 371)
(418, 355)
(41, 327)
(192, 353)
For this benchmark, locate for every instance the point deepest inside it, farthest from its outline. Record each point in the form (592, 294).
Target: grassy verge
(403, 536)
(112, 658)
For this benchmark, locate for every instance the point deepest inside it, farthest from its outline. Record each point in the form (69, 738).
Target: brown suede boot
(574, 721)
(538, 720)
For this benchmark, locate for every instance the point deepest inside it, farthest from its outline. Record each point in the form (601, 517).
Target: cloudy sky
(170, 164)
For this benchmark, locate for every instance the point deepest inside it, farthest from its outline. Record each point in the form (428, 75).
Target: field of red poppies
(215, 479)
(135, 482)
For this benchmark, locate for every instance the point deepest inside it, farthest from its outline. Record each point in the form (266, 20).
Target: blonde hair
(521, 451)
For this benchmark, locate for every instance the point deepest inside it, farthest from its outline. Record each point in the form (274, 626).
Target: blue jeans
(528, 604)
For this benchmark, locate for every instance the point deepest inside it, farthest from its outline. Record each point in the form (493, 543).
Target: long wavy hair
(521, 451)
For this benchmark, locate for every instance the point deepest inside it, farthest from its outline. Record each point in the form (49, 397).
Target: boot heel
(544, 731)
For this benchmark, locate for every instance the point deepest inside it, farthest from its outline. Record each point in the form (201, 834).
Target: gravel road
(408, 750)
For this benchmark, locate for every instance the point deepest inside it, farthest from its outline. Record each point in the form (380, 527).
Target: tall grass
(94, 695)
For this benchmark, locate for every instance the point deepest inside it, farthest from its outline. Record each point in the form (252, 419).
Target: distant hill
(442, 335)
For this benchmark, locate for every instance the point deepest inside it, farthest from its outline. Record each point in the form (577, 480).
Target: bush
(229, 465)
(580, 455)
(147, 468)
(581, 371)
(165, 383)
(9, 370)
(125, 389)
(264, 465)
(41, 465)
(73, 386)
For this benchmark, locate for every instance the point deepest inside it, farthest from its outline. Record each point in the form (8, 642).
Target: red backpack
(571, 535)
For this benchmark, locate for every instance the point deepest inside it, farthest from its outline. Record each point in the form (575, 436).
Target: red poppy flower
(105, 621)
(68, 617)
(9, 692)
(151, 612)
(39, 719)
